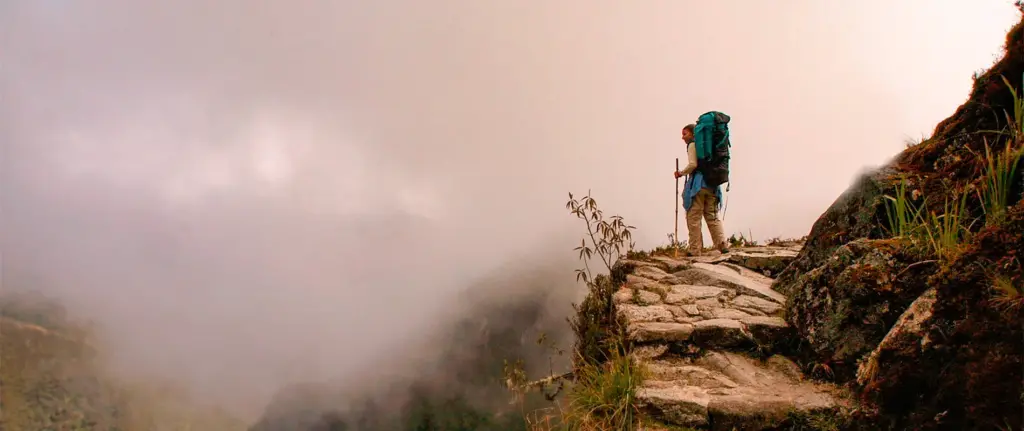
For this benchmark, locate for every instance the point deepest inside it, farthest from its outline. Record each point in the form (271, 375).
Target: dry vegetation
(601, 389)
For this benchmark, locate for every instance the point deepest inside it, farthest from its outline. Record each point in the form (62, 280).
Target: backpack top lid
(707, 125)
(714, 117)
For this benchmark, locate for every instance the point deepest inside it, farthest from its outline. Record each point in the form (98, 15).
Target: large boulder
(844, 307)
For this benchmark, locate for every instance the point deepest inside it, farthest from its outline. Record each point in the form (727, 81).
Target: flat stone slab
(720, 333)
(748, 302)
(691, 309)
(673, 265)
(764, 321)
(651, 272)
(728, 390)
(645, 313)
(689, 294)
(723, 313)
(638, 282)
(709, 324)
(762, 409)
(767, 330)
(774, 261)
(688, 375)
(649, 352)
(659, 331)
(638, 296)
(725, 277)
(657, 324)
(753, 275)
(678, 405)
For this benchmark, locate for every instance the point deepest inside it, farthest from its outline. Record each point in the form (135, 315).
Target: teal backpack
(711, 136)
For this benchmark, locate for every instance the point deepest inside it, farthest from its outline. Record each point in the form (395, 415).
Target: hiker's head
(688, 133)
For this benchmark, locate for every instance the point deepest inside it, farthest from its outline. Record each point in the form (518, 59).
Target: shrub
(605, 378)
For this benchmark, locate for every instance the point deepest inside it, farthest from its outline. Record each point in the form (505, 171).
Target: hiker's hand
(678, 174)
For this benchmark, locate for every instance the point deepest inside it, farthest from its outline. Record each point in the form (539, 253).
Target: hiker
(702, 193)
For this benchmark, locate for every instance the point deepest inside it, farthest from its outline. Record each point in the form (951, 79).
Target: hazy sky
(240, 180)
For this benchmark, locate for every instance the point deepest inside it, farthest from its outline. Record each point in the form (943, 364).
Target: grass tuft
(946, 232)
(903, 216)
(604, 395)
(998, 180)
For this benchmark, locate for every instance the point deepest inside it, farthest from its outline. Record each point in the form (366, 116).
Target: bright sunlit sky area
(255, 171)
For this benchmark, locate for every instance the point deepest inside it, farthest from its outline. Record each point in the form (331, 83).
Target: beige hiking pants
(705, 205)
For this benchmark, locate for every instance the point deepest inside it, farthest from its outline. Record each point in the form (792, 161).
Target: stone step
(696, 300)
(672, 289)
(705, 306)
(747, 273)
(709, 274)
(725, 391)
(771, 262)
(742, 333)
(657, 262)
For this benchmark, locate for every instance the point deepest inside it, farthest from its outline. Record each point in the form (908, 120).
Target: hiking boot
(723, 249)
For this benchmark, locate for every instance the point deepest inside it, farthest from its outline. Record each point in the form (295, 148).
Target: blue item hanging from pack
(695, 182)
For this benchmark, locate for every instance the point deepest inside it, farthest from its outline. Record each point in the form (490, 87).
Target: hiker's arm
(691, 156)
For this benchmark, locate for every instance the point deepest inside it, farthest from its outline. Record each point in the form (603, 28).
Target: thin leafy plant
(610, 239)
(605, 377)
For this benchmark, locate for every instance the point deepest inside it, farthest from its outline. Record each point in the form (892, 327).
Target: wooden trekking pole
(675, 236)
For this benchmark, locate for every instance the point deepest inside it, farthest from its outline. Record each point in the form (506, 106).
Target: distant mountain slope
(50, 379)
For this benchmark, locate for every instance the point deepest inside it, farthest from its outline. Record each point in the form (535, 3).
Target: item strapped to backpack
(711, 136)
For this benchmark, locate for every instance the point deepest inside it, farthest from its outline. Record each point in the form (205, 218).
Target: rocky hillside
(909, 289)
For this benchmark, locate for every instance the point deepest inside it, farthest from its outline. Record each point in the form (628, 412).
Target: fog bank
(246, 194)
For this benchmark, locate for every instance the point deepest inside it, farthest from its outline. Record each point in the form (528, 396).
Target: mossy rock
(845, 307)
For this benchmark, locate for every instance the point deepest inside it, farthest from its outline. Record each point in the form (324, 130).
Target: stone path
(706, 329)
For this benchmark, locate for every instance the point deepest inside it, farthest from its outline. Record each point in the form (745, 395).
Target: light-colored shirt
(691, 156)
